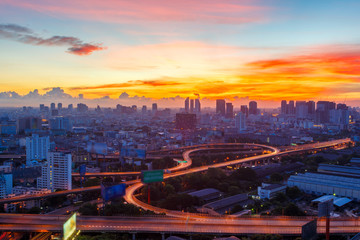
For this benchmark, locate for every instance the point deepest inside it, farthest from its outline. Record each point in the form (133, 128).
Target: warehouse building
(320, 184)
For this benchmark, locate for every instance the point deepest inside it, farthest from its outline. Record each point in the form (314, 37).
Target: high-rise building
(6, 184)
(311, 107)
(245, 110)
(340, 116)
(42, 107)
(284, 107)
(301, 109)
(28, 124)
(52, 106)
(197, 106)
(54, 112)
(185, 121)
(342, 106)
(59, 106)
(291, 108)
(56, 173)
(144, 109)
(240, 122)
(220, 107)
(191, 105)
(323, 111)
(61, 123)
(229, 110)
(70, 107)
(154, 108)
(81, 107)
(36, 148)
(253, 108)
(187, 104)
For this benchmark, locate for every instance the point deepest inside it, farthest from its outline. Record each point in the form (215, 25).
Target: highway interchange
(182, 222)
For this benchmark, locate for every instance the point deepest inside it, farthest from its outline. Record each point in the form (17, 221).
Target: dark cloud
(14, 28)
(25, 35)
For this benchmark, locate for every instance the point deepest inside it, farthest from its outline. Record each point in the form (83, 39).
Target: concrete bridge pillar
(133, 236)
(162, 236)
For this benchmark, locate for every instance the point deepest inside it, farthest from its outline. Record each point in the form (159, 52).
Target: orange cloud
(128, 84)
(338, 63)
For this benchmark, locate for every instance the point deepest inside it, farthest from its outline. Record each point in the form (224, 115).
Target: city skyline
(253, 50)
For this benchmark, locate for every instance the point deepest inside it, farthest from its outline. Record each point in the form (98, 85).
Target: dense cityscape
(258, 161)
(179, 120)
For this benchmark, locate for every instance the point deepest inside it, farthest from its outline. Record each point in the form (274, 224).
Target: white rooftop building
(56, 173)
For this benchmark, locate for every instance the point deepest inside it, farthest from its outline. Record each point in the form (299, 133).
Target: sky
(159, 50)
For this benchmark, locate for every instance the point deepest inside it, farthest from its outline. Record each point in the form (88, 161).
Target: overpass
(186, 225)
(181, 166)
(129, 196)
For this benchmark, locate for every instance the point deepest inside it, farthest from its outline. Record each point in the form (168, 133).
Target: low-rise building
(207, 194)
(268, 191)
(223, 205)
(320, 184)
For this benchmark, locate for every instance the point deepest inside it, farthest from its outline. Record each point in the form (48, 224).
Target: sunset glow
(264, 50)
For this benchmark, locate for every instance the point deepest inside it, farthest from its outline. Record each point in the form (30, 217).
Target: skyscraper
(301, 109)
(191, 105)
(291, 108)
(52, 106)
(311, 107)
(61, 123)
(220, 107)
(229, 110)
(143, 109)
(59, 106)
(245, 110)
(197, 106)
(323, 111)
(341, 106)
(81, 107)
(42, 107)
(284, 107)
(154, 108)
(240, 122)
(187, 104)
(36, 148)
(56, 173)
(253, 108)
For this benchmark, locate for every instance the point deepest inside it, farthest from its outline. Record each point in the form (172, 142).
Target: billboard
(133, 153)
(69, 227)
(98, 148)
(152, 176)
(110, 192)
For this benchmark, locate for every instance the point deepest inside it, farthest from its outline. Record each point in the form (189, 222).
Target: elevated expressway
(165, 224)
(179, 167)
(178, 170)
(185, 222)
(129, 197)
